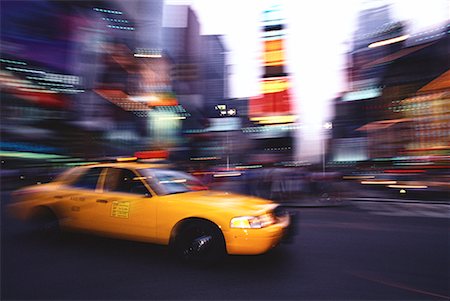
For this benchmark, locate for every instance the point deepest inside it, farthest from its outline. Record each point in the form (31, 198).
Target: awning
(121, 99)
(24, 89)
(397, 55)
(137, 102)
(381, 125)
(442, 82)
(43, 98)
(426, 97)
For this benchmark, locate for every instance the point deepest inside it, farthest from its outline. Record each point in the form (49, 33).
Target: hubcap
(198, 245)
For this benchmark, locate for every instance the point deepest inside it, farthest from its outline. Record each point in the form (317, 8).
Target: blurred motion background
(282, 99)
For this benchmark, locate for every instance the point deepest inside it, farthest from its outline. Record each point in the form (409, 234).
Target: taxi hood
(224, 200)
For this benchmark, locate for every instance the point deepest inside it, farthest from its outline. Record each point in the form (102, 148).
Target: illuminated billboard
(274, 104)
(274, 84)
(275, 100)
(273, 53)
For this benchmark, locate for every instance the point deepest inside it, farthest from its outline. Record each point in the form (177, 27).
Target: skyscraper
(182, 43)
(213, 70)
(272, 112)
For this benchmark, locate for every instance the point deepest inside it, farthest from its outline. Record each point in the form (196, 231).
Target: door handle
(102, 201)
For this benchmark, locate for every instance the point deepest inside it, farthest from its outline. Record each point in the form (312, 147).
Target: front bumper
(258, 241)
(291, 230)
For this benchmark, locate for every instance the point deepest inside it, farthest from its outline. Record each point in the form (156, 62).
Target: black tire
(45, 223)
(199, 241)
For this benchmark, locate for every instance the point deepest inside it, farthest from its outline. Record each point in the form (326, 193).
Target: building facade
(213, 73)
(101, 65)
(272, 112)
(364, 82)
(387, 68)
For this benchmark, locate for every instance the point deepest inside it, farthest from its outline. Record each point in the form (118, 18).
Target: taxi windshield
(170, 182)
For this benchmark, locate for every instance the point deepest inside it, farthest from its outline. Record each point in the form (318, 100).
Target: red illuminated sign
(277, 103)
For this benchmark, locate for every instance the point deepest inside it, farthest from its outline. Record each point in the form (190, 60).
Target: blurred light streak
(25, 70)
(389, 41)
(358, 177)
(227, 174)
(414, 163)
(378, 182)
(29, 155)
(404, 171)
(13, 62)
(408, 186)
(204, 158)
(274, 119)
(248, 166)
(173, 181)
(148, 55)
(36, 90)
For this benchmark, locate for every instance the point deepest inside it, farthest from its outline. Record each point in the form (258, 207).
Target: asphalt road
(350, 252)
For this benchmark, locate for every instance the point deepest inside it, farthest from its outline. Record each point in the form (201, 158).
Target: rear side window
(124, 180)
(89, 179)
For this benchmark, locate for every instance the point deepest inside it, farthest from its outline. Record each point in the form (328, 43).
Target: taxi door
(127, 209)
(76, 202)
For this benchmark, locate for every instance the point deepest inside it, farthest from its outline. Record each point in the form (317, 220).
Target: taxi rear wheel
(199, 242)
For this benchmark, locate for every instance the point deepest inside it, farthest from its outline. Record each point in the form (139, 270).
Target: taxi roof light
(126, 159)
(152, 154)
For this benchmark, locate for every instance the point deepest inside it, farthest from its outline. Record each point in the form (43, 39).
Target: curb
(348, 201)
(317, 204)
(386, 200)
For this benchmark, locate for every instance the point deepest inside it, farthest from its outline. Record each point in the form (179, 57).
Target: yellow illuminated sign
(120, 209)
(276, 85)
(275, 119)
(273, 45)
(273, 53)
(274, 58)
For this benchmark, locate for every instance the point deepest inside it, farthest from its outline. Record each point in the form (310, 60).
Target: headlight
(252, 222)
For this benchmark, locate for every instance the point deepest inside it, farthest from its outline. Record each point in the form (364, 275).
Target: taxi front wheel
(199, 241)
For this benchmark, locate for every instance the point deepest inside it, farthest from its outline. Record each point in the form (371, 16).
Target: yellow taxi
(150, 202)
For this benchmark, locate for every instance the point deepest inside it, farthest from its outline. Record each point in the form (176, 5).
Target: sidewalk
(314, 201)
(350, 193)
(310, 200)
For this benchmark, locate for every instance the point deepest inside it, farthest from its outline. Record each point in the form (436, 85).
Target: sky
(318, 36)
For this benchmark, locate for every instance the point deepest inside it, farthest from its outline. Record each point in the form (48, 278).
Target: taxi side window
(124, 180)
(89, 179)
